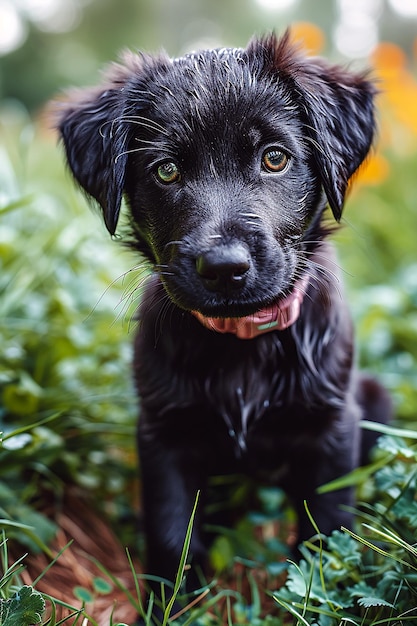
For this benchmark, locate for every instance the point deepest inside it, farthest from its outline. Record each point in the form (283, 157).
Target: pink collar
(277, 316)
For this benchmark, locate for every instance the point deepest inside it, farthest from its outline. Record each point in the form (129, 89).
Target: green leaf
(369, 602)
(102, 586)
(362, 590)
(82, 594)
(25, 609)
(299, 576)
(397, 446)
(391, 479)
(346, 548)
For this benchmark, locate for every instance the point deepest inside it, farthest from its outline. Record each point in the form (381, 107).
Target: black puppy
(227, 160)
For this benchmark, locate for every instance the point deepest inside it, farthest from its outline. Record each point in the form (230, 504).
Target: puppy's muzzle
(224, 268)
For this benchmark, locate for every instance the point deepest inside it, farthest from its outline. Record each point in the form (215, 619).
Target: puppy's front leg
(171, 478)
(332, 457)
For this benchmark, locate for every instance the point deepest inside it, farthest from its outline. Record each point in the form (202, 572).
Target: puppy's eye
(274, 160)
(168, 172)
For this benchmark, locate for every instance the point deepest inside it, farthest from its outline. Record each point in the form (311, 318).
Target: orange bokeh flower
(388, 57)
(397, 84)
(373, 172)
(309, 36)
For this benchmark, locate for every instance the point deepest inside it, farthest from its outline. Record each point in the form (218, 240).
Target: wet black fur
(283, 407)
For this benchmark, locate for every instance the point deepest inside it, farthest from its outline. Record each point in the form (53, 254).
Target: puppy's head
(226, 159)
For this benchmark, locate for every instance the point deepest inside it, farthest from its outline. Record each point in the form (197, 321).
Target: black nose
(224, 267)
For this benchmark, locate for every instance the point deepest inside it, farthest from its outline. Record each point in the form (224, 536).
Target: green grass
(23, 605)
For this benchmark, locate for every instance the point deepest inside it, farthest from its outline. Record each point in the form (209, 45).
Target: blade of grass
(52, 618)
(190, 605)
(356, 477)
(256, 598)
(377, 549)
(391, 537)
(321, 571)
(225, 593)
(48, 567)
(389, 430)
(290, 609)
(136, 582)
(21, 202)
(183, 559)
(27, 428)
(29, 532)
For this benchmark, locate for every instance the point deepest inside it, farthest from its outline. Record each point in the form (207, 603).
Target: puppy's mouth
(279, 315)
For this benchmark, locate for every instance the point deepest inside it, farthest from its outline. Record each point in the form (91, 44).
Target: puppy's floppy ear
(95, 138)
(337, 108)
(341, 124)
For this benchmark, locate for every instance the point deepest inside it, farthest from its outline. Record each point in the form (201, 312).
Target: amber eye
(168, 172)
(274, 160)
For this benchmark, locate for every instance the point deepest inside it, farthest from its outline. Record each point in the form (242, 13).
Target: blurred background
(47, 44)
(67, 292)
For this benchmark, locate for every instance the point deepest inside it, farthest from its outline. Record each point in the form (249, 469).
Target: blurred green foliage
(65, 355)
(378, 256)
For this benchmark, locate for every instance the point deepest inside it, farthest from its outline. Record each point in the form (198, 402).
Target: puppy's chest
(253, 398)
(247, 398)
(240, 403)
(266, 420)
